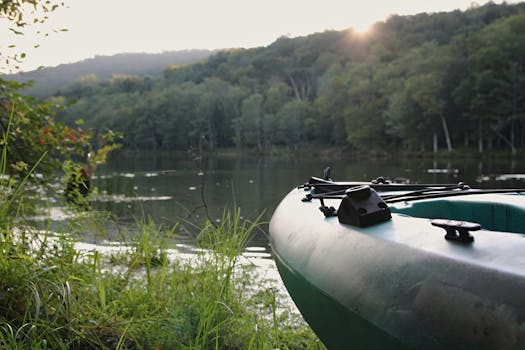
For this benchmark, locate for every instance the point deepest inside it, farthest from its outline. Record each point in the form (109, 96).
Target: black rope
(460, 186)
(410, 192)
(447, 191)
(425, 189)
(452, 194)
(323, 186)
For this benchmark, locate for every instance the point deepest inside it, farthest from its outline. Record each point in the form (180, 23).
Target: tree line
(428, 82)
(46, 81)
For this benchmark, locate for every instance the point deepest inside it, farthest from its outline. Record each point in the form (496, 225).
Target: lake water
(168, 187)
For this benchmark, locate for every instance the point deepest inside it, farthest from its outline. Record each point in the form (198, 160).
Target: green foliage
(17, 11)
(20, 14)
(54, 295)
(412, 83)
(29, 131)
(145, 294)
(34, 146)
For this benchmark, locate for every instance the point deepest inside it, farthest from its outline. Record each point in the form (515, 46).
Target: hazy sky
(105, 27)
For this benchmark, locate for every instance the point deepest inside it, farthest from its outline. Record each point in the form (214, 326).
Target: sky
(107, 27)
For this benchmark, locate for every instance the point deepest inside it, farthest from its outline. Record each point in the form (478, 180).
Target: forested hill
(49, 80)
(420, 83)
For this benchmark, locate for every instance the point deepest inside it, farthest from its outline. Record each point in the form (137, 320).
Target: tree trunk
(522, 135)
(237, 125)
(211, 136)
(447, 135)
(237, 128)
(435, 142)
(509, 142)
(258, 123)
(480, 137)
(295, 87)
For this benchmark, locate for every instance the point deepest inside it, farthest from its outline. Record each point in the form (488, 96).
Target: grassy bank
(54, 295)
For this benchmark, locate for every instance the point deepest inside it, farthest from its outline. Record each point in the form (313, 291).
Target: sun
(362, 27)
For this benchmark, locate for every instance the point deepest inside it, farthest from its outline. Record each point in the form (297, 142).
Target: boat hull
(400, 284)
(330, 319)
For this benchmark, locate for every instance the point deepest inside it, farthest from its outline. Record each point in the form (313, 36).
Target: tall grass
(55, 296)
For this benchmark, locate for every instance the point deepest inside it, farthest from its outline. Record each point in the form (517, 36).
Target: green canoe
(377, 272)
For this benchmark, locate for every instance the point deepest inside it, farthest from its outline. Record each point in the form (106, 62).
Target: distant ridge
(56, 78)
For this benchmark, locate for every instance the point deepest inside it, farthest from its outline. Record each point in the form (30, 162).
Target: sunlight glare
(362, 27)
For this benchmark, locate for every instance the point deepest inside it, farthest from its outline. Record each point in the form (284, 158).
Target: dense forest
(443, 81)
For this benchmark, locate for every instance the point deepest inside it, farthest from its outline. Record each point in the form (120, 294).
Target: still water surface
(168, 187)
